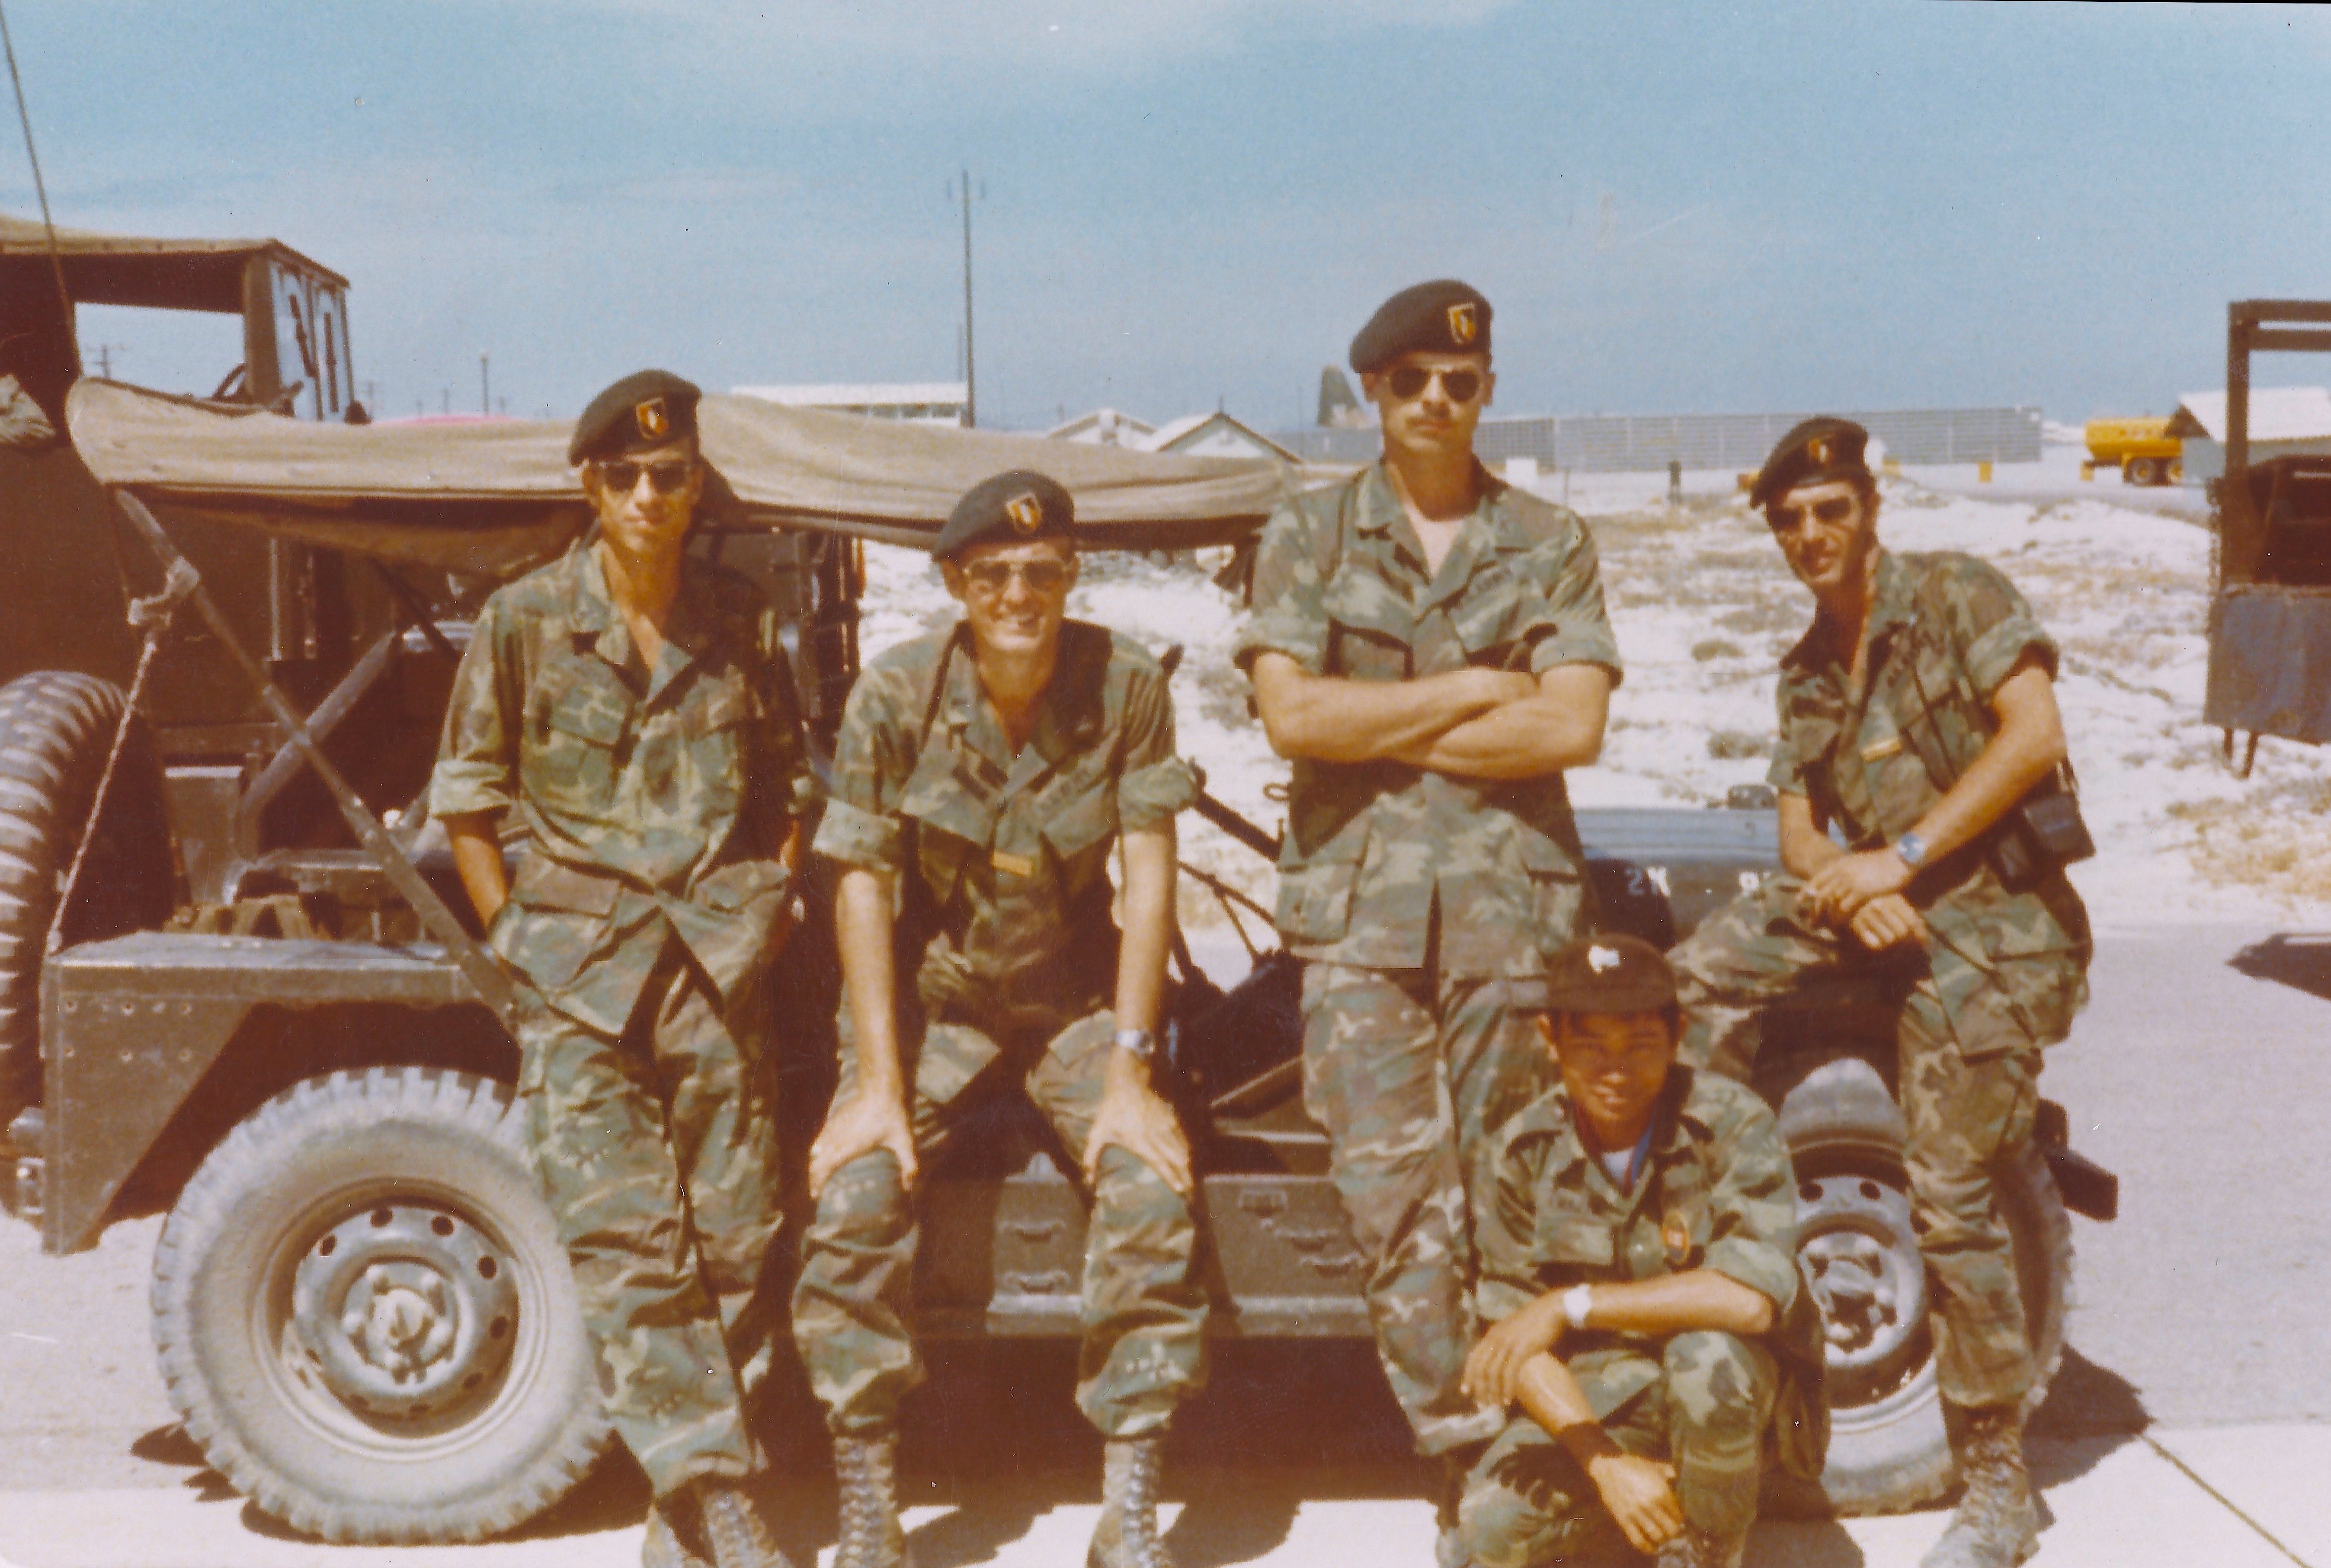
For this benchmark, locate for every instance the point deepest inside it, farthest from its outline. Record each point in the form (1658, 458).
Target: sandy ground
(1703, 607)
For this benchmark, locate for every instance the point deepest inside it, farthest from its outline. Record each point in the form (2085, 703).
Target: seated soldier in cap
(632, 710)
(1428, 648)
(982, 778)
(1638, 1235)
(1916, 713)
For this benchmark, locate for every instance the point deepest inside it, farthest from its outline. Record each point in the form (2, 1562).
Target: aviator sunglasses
(1410, 379)
(1042, 577)
(620, 474)
(1789, 520)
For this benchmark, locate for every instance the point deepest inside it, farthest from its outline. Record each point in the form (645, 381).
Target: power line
(56, 258)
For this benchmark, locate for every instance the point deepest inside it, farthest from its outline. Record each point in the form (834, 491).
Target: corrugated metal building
(1607, 443)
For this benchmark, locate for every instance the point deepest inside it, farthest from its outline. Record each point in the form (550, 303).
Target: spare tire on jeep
(56, 730)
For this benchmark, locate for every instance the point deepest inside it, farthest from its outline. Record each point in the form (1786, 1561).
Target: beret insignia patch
(1599, 959)
(1821, 449)
(1027, 512)
(1462, 325)
(653, 419)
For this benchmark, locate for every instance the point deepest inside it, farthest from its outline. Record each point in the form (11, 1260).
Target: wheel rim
(1860, 1255)
(399, 1323)
(402, 1308)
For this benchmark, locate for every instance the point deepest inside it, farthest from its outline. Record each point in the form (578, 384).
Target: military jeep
(265, 1012)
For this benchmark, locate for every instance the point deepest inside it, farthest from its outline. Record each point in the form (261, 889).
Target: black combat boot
(1997, 1525)
(676, 1533)
(867, 1472)
(733, 1529)
(1127, 1536)
(1698, 1548)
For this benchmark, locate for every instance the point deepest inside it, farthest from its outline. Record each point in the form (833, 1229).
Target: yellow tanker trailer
(2142, 448)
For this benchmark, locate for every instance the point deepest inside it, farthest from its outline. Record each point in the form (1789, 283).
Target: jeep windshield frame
(294, 310)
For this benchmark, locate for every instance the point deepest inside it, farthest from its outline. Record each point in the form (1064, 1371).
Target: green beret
(1818, 449)
(648, 408)
(1010, 508)
(1610, 974)
(1442, 317)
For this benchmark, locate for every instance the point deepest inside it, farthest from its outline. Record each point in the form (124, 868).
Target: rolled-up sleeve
(1577, 627)
(1994, 626)
(861, 826)
(477, 754)
(1753, 1212)
(1289, 613)
(1154, 784)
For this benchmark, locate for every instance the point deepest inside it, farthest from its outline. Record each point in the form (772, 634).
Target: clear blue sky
(1673, 208)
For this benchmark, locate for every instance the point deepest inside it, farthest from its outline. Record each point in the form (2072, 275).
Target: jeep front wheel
(1887, 1450)
(364, 1316)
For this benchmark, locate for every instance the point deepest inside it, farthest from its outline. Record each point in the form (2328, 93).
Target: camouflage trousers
(1410, 1073)
(1144, 1308)
(1528, 1503)
(1967, 1040)
(658, 1153)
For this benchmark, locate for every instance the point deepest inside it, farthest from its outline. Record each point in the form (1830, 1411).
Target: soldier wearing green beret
(629, 713)
(1429, 647)
(1638, 1235)
(1915, 716)
(982, 778)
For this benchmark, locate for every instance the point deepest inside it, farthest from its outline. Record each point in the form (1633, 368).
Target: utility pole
(371, 392)
(970, 368)
(105, 353)
(485, 387)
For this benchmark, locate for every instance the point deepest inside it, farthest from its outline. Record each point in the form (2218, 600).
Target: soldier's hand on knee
(1892, 921)
(1493, 1370)
(867, 1121)
(1639, 1493)
(1139, 1120)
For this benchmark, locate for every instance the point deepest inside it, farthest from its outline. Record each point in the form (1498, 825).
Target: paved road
(2200, 1073)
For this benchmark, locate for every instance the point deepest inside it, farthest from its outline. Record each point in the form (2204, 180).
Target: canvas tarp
(495, 496)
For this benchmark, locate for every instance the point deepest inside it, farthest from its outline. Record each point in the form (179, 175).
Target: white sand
(1703, 607)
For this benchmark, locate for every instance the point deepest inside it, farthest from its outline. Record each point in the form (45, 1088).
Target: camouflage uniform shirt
(1944, 630)
(656, 800)
(1717, 1192)
(1005, 858)
(1373, 849)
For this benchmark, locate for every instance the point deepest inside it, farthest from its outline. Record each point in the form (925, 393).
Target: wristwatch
(1577, 1303)
(1140, 1044)
(1912, 851)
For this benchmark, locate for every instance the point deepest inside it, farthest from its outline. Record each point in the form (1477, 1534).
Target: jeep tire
(364, 1313)
(56, 729)
(1887, 1450)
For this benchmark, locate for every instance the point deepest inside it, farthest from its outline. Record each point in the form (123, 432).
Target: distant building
(1105, 427)
(1339, 405)
(943, 402)
(1640, 443)
(2283, 419)
(1216, 434)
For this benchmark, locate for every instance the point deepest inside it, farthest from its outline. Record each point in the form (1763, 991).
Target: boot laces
(866, 1507)
(1138, 1511)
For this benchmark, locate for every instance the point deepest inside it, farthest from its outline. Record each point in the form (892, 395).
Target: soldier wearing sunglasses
(1428, 648)
(1916, 713)
(983, 777)
(628, 714)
